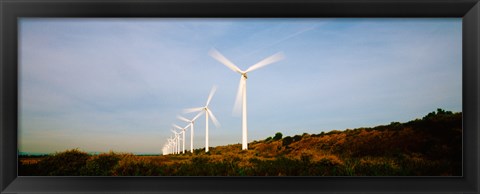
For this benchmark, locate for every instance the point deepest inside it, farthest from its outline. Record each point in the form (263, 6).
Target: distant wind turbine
(171, 143)
(177, 138)
(191, 123)
(208, 113)
(241, 98)
(164, 152)
(183, 133)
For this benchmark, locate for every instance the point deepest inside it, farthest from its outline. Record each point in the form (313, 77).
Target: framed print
(102, 94)
(209, 96)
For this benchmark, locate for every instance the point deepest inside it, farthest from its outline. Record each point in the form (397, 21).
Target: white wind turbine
(177, 139)
(164, 152)
(174, 145)
(208, 113)
(180, 140)
(242, 87)
(191, 123)
(183, 133)
(165, 149)
(171, 144)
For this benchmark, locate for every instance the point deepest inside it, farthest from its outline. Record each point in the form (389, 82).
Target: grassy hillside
(430, 146)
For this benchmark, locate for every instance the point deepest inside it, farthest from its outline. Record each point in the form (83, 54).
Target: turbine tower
(208, 113)
(191, 123)
(241, 98)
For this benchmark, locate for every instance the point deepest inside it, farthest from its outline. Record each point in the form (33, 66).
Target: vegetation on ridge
(431, 146)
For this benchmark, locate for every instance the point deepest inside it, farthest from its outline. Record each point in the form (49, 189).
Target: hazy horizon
(119, 84)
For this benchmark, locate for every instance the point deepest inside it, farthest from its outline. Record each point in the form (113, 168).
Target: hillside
(430, 146)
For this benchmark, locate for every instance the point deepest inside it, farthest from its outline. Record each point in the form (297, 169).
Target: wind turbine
(165, 149)
(191, 123)
(183, 133)
(241, 98)
(171, 143)
(208, 113)
(177, 137)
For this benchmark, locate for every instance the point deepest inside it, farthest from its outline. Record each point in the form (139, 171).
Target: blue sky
(118, 84)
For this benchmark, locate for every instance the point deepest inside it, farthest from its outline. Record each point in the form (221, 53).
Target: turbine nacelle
(204, 109)
(190, 120)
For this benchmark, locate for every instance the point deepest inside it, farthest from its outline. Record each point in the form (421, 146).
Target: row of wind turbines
(176, 143)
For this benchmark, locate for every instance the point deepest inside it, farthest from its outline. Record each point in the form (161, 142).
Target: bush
(131, 165)
(66, 163)
(101, 165)
(297, 138)
(378, 167)
(277, 136)
(287, 141)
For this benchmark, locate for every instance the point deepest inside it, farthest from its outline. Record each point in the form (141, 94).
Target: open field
(430, 146)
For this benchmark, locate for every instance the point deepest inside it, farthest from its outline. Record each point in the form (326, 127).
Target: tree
(438, 113)
(297, 138)
(277, 136)
(287, 141)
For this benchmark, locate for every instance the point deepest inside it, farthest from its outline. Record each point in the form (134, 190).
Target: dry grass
(29, 161)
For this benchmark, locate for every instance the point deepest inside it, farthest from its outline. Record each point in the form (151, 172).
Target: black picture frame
(11, 10)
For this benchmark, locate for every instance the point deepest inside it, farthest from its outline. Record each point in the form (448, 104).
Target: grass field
(430, 146)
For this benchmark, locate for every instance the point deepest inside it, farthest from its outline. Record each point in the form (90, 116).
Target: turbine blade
(176, 126)
(183, 118)
(269, 60)
(213, 118)
(212, 92)
(222, 59)
(237, 107)
(198, 115)
(186, 127)
(189, 110)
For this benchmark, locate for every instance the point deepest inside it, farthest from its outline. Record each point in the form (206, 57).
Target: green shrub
(287, 141)
(297, 138)
(66, 163)
(101, 165)
(131, 165)
(277, 136)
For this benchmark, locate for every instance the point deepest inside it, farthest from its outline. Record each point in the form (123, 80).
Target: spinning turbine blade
(269, 60)
(189, 110)
(237, 107)
(176, 126)
(220, 58)
(214, 119)
(183, 118)
(198, 115)
(212, 92)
